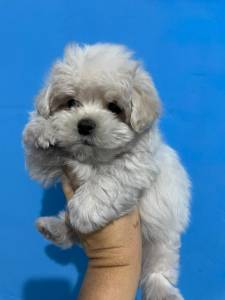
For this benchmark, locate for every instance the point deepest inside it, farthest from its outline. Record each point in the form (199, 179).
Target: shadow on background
(56, 288)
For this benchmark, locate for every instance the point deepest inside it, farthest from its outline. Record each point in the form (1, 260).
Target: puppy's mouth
(87, 143)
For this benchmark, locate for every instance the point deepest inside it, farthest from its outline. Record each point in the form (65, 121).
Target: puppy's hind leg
(160, 271)
(57, 230)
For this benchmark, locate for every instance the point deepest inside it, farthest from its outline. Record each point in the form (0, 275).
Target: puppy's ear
(71, 52)
(43, 102)
(145, 101)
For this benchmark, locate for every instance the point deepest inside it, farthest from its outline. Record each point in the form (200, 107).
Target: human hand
(114, 254)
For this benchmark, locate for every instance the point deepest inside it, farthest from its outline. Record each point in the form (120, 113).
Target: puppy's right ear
(43, 102)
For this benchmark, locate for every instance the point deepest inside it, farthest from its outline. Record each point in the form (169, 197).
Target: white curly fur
(123, 163)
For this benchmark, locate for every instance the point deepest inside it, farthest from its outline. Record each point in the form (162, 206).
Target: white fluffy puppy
(97, 114)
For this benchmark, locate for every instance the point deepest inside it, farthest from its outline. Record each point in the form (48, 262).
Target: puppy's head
(98, 98)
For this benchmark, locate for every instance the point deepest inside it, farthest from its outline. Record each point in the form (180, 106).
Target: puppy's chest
(83, 172)
(127, 172)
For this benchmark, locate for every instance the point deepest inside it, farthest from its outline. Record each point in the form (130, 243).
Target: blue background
(183, 45)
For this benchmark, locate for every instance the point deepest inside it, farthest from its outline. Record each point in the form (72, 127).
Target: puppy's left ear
(145, 101)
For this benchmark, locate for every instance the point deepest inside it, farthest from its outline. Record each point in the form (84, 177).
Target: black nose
(86, 126)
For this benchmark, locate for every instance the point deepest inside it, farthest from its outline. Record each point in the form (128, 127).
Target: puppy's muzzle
(86, 126)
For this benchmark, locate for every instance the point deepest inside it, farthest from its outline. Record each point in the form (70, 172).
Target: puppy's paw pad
(43, 229)
(47, 227)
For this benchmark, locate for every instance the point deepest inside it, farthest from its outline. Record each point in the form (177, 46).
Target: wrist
(114, 260)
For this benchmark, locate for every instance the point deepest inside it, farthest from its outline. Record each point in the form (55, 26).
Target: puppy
(98, 115)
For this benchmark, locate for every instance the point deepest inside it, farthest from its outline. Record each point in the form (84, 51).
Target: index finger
(67, 187)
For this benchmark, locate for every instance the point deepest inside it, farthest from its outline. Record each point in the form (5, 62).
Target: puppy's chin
(82, 152)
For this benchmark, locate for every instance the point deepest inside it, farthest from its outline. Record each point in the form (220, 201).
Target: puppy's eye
(114, 108)
(72, 103)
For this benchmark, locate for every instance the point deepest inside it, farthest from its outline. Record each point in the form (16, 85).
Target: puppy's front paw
(44, 142)
(55, 230)
(82, 218)
(38, 137)
(44, 226)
